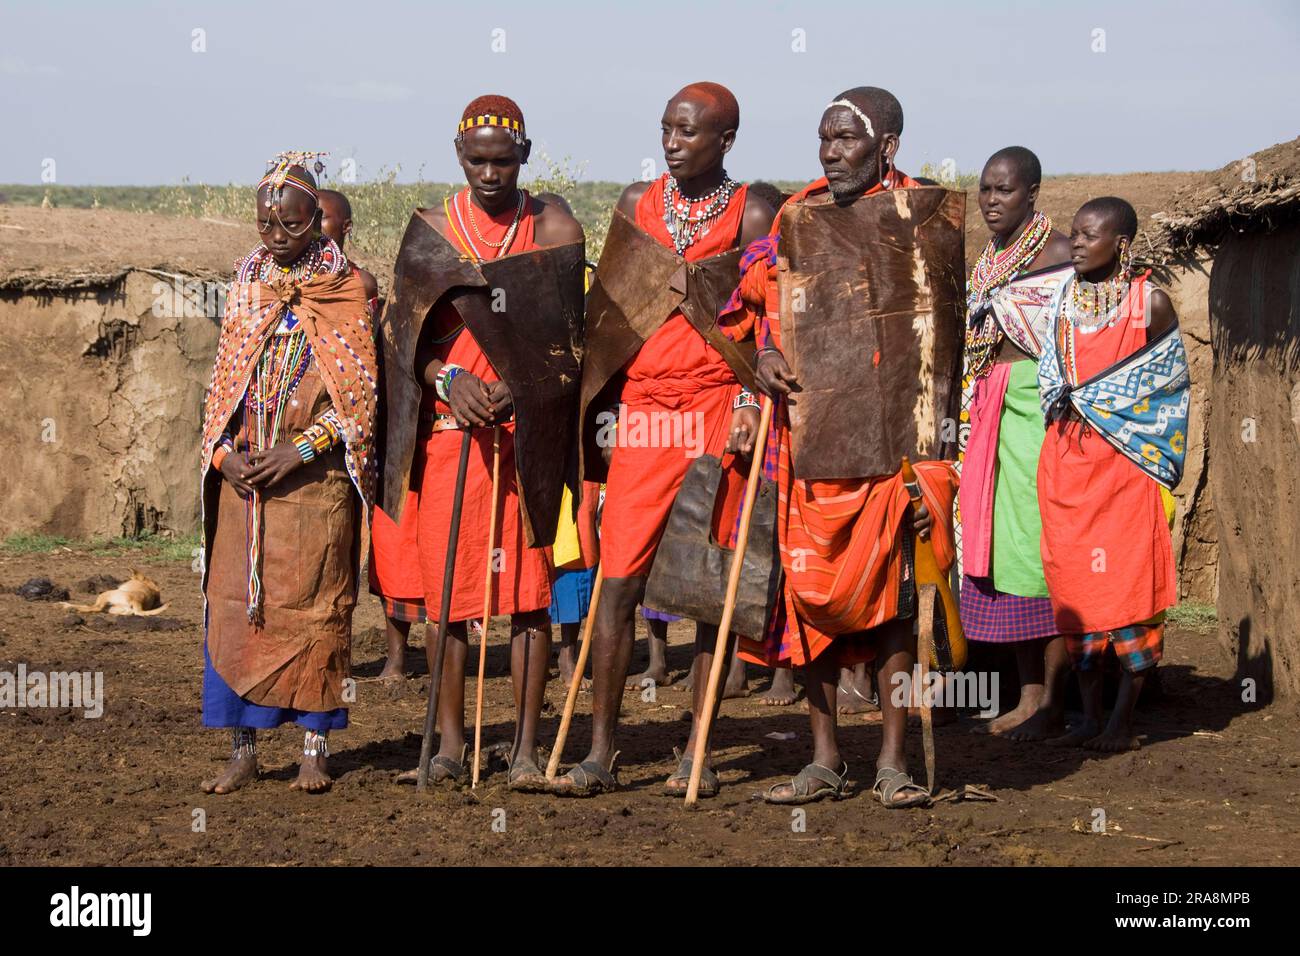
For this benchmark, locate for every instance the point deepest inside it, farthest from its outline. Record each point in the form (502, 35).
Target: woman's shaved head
(718, 103)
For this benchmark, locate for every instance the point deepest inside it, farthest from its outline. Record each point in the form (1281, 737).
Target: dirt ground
(1214, 783)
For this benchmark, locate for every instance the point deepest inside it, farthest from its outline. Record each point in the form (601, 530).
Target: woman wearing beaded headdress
(288, 468)
(1003, 593)
(1115, 394)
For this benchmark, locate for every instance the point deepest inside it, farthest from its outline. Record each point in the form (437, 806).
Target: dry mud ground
(1214, 783)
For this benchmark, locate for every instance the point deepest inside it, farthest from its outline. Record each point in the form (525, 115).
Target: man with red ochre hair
(699, 212)
(489, 219)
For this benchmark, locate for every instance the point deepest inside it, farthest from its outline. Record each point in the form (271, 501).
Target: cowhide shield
(690, 571)
(871, 324)
(639, 284)
(528, 322)
(427, 267)
(525, 313)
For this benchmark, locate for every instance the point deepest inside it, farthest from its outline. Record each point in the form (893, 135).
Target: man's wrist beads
(746, 399)
(442, 382)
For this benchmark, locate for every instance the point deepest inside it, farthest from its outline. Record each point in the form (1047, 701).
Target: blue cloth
(1140, 404)
(222, 707)
(571, 595)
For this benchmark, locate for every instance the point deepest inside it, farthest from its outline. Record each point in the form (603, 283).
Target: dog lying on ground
(137, 595)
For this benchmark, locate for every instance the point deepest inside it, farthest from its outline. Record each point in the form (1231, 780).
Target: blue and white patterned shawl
(1140, 404)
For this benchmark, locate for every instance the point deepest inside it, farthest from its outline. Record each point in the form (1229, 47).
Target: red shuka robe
(412, 555)
(676, 371)
(1107, 553)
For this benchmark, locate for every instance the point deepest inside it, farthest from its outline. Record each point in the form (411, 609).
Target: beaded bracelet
(225, 445)
(765, 348)
(746, 399)
(305, 449)
(442, 382)
(319, 438)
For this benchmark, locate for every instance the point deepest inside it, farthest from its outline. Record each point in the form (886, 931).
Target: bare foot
(567, 660)
(239, 771)
(313, 775)
(1114, 741)
(1043, 725)
(852, 700)
(1079, 736)
(736, 685)
(1008, 721)
(393, 672)
(659, 675)
(782, 692)
(687, 683)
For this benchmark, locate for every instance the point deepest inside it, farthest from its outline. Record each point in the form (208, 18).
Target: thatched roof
(1256, 194)
(56, 250)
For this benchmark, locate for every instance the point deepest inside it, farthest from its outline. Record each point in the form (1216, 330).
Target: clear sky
(118, 93)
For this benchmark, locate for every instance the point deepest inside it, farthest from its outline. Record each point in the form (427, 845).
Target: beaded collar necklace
(685, 226)
(504, 245)
(993, 269)
(322, 257)
(1092, 306)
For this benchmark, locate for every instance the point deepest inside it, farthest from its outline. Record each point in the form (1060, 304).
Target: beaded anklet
(315, 745)
(243, 743)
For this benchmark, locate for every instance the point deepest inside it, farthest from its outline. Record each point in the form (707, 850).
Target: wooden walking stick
(490, 576)
(553, 765)
(946, 652)
(705, 718)
(440, 646)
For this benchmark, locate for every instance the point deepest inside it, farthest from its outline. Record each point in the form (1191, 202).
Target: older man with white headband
(844, 532)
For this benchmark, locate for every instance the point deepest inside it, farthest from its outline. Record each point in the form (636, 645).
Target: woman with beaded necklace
(1003, 592)
(287, 470)
(1114, 384)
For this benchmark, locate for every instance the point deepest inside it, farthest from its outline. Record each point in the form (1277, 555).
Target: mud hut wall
(1255, 434)
(1195, 531)
(102, 387)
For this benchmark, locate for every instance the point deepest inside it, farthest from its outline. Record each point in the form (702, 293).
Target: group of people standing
(1065, 362)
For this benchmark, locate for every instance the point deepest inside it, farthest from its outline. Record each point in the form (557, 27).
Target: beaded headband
(866, 120)
(515, 127)
(279, 175)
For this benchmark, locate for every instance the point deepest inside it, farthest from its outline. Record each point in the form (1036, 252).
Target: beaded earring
(1125, 258)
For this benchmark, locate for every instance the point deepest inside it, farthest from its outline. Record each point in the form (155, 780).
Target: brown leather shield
(427, 267)
(690, 571)
(525, 313)
(639, 284)
(528, 322)
(871, 324)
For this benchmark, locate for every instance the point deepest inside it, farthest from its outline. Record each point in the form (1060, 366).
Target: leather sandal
(587, 779)
(709, 783)
(838, 786)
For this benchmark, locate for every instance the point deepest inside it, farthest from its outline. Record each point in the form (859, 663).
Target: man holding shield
(861, 379)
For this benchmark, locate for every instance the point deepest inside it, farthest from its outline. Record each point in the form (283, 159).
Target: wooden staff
(553, 765)
(728, 607)
(449, 566)
(931, 585)
(489, 576)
